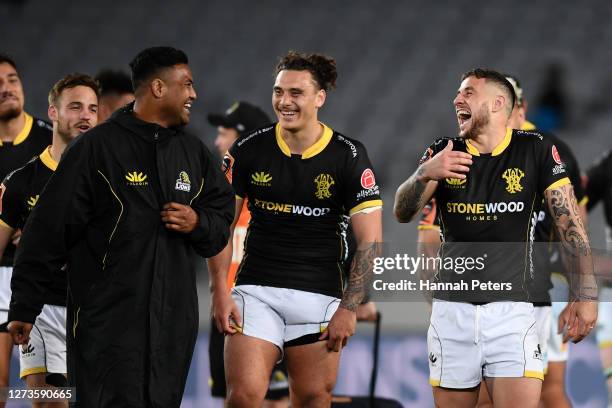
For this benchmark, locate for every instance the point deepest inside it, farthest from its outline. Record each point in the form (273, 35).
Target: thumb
(236, 315)
(449, 146)
(324, 335)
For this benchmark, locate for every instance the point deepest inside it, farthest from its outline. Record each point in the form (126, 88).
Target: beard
(10, 113)
(479, 121)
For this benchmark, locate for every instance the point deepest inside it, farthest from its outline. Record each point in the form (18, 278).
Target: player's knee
(244, 396)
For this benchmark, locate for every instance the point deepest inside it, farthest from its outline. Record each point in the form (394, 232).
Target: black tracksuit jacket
(132, 301)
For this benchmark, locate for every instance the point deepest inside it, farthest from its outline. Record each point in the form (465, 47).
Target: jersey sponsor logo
(484, 211)
(426, 156)
(433, 359)
(537, 354)
(323, 182)
(136, 178)
(291, 208)
(513, 180)
(32, 201)
(455, 182)
(367, 179)
(261, 179)
(27, 350)
(374, 191)
(183, 183)
(350, 145)
(555, 155)
(252, 135)
(558, 169)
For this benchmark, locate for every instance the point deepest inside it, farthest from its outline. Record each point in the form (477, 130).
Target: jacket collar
(125, 118)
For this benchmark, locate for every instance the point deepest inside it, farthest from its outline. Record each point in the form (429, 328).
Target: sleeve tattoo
(360, 276)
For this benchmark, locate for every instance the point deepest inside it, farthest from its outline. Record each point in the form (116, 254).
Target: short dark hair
(150, 61)
(518, 89)
(71, 81)
(5, 59)
(321, 67)
(114, 82)
(493, 76)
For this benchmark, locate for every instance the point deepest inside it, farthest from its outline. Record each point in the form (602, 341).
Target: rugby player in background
(599, 189)
(115, 92)
(73, 109)
(493, 334)
(240, 119)
(304, 183)
(22, 137)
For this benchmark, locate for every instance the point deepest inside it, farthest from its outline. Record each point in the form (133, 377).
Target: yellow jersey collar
(527, 125)
(24, 132)
(47, 160)
(498, 149)
(313, 150)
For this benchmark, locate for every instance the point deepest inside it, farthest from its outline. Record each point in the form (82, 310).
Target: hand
(16, 236)
(339, 329)
(366, 312)
(224, 308)
(20, 331)
(447, 164)
(577, 320)
(179, 217)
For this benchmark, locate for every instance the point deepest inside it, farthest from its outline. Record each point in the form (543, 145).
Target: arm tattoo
(360, 276)
(574, 240)
(409, 197)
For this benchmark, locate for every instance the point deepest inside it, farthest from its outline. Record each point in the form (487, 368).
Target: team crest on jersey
(261, 179)
(182, 182)
(135, 178)
(455, 182)
(32, 201)
(513, 180)
(323, 182)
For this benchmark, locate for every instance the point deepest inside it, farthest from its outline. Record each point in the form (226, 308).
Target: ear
(158, 88)
(320, 98)
(52, 113)
(498, 103)
(525, 106)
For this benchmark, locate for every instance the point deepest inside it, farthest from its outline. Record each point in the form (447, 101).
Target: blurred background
(399, 65)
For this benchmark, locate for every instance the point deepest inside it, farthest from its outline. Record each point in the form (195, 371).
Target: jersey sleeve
(234, 169)
(429, 218)
(573, 170)
(361, 191)
(597, 180)
(10, 202)
(552, 169)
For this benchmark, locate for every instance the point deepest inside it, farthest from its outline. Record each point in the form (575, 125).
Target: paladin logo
(433, 358)
(27, 349)
(513, 179)
(537, 354)
(32, 201)
(323, 182)
(261, 178)
(455, 182)
(136, 179)
(183, 183)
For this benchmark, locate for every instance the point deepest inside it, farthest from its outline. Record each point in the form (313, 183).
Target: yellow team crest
(513, 180)
(183, 183)
(455, 181)
(135, 177)
(323, 182)
(261, 178)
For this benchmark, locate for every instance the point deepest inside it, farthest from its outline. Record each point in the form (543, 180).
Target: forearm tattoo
(410, 196)
(360, 276)
(574, 241)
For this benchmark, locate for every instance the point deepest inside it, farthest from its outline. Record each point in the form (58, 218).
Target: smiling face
(296, 99)
(178, 94)
(472, 106)
(75, 112)
(11, 93)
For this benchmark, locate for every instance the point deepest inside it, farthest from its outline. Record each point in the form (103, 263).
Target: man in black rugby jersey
(304, 182)
(22, 137)
(73, 104)
(486, 184)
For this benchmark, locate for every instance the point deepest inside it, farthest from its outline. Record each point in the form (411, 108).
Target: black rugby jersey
(599, 189)
(486, 220)
(20, 192)
(35, 136)
(300, 207)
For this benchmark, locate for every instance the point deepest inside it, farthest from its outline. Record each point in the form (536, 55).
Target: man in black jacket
(129, 202)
